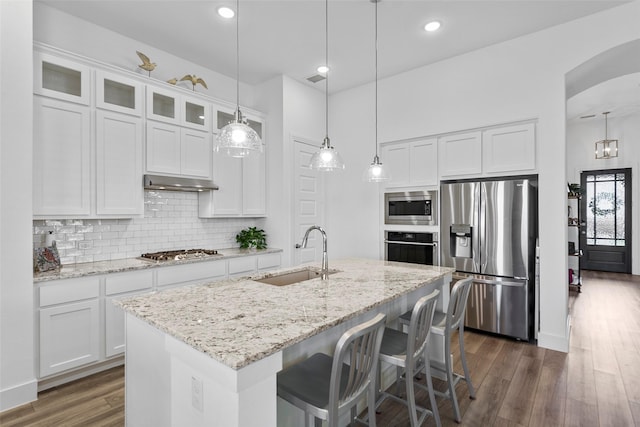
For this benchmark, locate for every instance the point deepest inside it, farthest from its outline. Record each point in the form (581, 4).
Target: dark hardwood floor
(517, 384)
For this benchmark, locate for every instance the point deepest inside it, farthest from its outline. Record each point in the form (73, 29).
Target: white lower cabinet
(69, 336)
(81, 327)
(121, 285)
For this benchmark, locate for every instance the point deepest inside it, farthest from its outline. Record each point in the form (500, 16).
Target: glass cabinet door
(196, 114)
(163, 105)
(118, 93)
(62, 79)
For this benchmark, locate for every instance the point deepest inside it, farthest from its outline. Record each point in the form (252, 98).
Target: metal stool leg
(467, 377)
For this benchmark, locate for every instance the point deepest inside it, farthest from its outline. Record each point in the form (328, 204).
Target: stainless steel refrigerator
(488, 230)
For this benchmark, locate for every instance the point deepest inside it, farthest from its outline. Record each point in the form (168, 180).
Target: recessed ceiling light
(226, 12)
(432, 26)
(323, 69)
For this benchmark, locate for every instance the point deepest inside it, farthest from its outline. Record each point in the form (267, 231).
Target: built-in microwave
(410, 208)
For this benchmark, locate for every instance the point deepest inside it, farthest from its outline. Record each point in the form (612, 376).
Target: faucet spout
(324, 273)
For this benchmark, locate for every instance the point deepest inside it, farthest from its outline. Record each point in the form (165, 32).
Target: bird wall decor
(194, 80)
(173, 81)
(146, 65)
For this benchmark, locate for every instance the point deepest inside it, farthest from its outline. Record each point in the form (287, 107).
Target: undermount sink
(292, 277)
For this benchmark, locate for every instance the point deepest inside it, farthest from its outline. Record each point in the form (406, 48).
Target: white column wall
(515, 80)
(294, 110)
(581, 138)
(17, 377)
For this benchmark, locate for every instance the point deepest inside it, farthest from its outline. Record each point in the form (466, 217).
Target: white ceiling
(287, 36)
(620, 96)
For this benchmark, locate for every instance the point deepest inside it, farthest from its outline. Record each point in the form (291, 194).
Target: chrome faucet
(324, 273)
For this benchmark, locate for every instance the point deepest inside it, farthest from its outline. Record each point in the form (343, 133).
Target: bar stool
(448, 323)
(325, 387)
(406, 350)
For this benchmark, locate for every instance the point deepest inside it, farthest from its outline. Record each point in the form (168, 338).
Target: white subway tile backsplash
(170, 222)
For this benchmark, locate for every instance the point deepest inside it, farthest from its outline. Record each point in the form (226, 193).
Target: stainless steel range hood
(172, 183)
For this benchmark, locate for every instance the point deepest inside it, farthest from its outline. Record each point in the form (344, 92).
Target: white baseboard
(556, 342)
(18, 395)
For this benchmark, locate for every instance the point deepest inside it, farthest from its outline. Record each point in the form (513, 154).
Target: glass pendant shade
(326, 159)
(376, 172)
(237, 139)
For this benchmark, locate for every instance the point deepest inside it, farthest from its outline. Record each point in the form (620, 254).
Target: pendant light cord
(376, 84)
(237, 56)
(326, 61)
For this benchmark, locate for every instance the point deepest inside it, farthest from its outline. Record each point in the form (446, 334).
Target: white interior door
(309, 202)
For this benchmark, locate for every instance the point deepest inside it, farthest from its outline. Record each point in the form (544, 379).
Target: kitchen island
(209, 354)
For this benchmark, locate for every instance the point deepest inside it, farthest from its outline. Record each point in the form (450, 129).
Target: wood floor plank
(550, 399)
(518, 403)
(613, 406)
(580, 414)
(490, 394)
(580, 380)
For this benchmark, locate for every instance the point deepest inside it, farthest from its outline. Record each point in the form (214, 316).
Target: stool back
(361, 345)
(458, 303)
(419, 327)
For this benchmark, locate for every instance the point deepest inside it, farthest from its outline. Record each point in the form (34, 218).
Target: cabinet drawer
(190, 272)
(242, 265)
(69, 290)
(268, 261)
(128, 282)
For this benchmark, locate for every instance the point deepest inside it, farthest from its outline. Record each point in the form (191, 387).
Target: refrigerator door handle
(500, 282)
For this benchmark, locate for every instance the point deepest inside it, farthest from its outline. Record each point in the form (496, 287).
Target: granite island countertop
(239, 321)
(71, 271)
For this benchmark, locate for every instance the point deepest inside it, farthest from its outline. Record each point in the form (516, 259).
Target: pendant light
(376, 172)
(606, 148)
(237, 139)
(326, 159)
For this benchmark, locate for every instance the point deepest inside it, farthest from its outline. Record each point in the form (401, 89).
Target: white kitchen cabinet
(269, 261)
(117, 93)
(69, 321)
(61, 78)
(412, 163)
(174, 275)
(396, 158)
(62, 158)
(163, 105)
(460, 154)
(196, 113)
(170, 106)
(254, 189)
(118, 286)
(195, 153)
(178, 151)
(423, 163)
(243, 266)
(241, 181)
(509, 149)
(242, 187)
(69, 336)
(118, 164)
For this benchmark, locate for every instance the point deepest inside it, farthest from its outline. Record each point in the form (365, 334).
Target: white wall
(581, 137)
(516, 80)
(70, 33)
(17, 376)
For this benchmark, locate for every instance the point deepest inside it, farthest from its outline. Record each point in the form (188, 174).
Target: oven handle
(434, 244)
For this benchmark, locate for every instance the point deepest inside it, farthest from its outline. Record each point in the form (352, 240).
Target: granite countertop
(116, 266)
(239, 321)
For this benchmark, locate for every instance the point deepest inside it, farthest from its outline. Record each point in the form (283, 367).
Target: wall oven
(417, 248)
(410, 208)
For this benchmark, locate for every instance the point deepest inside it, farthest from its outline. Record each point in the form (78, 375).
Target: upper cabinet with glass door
(117, 93)
(170, 106)
(61, 78)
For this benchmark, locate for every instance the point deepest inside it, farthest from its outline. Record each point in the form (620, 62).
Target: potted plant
(252, 238)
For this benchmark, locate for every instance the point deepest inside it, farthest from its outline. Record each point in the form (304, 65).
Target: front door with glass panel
(606, 212)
